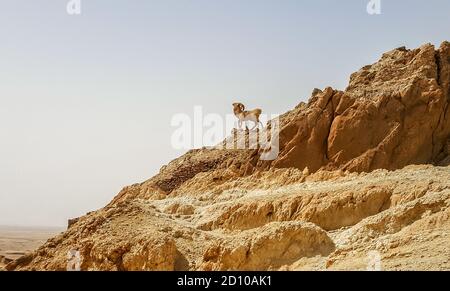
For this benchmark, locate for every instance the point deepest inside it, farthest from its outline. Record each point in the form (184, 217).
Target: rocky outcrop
(3, 262)
(347, 182)
(331, 220)
(269, 247)
(393, 113)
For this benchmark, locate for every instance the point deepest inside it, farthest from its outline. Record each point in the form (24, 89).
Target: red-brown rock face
(393, 113)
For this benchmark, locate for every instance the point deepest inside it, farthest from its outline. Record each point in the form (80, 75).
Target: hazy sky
(86, 101)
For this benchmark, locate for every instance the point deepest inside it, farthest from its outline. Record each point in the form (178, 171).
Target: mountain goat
(244, 116)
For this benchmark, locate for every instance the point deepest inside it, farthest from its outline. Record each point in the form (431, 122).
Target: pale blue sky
(86, 101)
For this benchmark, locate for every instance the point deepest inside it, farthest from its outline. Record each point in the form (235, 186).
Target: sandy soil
(17, 241)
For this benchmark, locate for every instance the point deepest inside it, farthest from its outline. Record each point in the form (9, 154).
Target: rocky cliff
(359, 171)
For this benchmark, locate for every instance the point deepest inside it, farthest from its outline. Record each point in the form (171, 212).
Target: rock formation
(4, 261)
(350, 179)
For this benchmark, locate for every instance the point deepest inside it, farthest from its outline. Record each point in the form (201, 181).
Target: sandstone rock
(71, 222)
(4, 261)
(393, 113)
(272, 246)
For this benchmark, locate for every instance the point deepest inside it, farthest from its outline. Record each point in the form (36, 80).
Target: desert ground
(18, 241)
